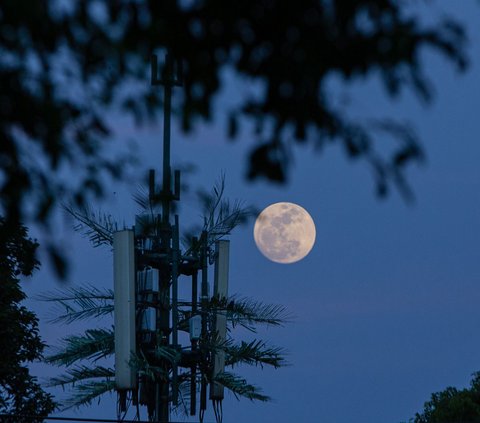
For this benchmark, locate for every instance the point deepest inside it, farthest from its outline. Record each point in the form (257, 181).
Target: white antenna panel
(124, 307)
(149, 319)
(220, 289)
(148, 280)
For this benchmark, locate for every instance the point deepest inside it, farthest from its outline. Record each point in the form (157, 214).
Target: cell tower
(148, 316)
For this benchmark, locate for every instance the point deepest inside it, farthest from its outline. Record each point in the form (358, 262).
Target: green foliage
(79, 373)
(88, 392)
(93, 345)
(152, 372)
(98, 227)
(453, 405)
(88, 382)
(255, 352)
(79, 303)
(20, 342)
(240, 387)
(220, 216)
(249, 313)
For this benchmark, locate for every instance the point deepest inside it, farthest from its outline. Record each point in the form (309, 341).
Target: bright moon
(284, 232)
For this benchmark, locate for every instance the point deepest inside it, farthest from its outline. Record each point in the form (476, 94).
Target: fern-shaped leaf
(220, 216)
(249, 313)
(86, 393)
(256, 352)
(97, 227)
(94, 344)
(79, 303)
(141, 365)
(240, 387)
(79, 373)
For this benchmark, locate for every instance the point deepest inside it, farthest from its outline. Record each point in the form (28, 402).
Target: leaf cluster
(78, 303)
(453, 405)
(247, 312)
(65, 65)
(219, 214)
(20, 342)
(90, 381)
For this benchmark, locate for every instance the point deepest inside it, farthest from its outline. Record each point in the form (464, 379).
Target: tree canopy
(20, 343)
(65, 65)
(453, 405)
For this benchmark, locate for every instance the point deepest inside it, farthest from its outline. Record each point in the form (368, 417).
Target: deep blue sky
(386, 304)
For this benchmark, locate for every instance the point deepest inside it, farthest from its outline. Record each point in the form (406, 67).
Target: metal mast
(169, 244)
(148, 263)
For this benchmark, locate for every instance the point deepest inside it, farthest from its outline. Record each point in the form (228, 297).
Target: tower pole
(169, 248)
(162, 387)
(168, 81)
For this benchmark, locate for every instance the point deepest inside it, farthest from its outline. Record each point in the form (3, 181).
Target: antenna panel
(220, 290)
(124, 307)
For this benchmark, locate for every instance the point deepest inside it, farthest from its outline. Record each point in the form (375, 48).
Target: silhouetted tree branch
(64, 66)
(20, 342)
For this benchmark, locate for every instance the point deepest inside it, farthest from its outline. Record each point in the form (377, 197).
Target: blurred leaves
(20, 342)
(65, 68)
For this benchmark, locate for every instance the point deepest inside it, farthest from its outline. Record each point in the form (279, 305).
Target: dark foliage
(453, 405)
(20, 342)
(63, 65)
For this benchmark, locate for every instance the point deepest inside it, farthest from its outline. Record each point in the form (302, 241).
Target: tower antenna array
(148, 263)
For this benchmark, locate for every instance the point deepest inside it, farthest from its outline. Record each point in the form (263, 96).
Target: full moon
(284, 232)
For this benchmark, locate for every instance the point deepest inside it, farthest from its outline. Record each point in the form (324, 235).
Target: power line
(15, 417)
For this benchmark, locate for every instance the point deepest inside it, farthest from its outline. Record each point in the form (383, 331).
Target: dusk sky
(386, 303)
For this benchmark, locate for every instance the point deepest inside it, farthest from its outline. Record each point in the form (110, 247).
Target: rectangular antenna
(124, 307)
(220, 290)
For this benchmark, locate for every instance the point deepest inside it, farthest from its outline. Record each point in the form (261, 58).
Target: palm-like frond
(97, 227)
(85, 386)
(142, 198)
(220, 216)
(142, 366)
(76, 374)
(240, 387)
(256, 352)
(248, 313)
(144, 202)
(183, 398)
(94, 344)
(85, 393)
(78, 303)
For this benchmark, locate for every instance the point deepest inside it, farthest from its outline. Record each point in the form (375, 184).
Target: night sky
(386, 304)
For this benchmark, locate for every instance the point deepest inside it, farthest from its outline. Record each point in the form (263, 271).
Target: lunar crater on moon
(284, 232)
